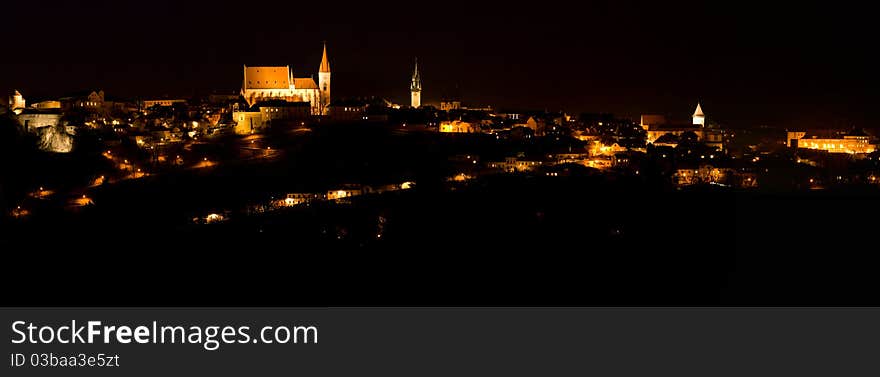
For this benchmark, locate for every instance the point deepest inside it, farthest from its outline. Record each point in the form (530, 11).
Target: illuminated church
(278, 83)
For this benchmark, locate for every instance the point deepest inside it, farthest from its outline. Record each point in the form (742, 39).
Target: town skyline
(751, 66)
(685, 153)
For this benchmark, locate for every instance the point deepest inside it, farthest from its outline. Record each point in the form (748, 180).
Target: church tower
(415, 88)
(16, 102)
(699, 117)
(324, 82)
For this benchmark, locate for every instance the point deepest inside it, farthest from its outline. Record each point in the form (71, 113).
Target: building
(515, 165)
(324, 82)
(247, 121)
(270, 113)
(703, 174)
(853, 142)
(32, 119)
(699, 118)
(47, 105)
(281, 111)
(415, 88)
(656, 126)
(278, 83)
(162, 102)
(16, 102)
(458, 126)
(89, 100)
(295, 199)
(536, 125)
(348, 110)
(450, 104)
(344, 193)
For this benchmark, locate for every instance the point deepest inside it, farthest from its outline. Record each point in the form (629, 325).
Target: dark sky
(750, 63)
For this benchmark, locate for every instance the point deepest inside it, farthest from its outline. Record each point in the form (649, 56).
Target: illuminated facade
(295, 199)
(47, 105)
(345, 193)
(90, 101)
(162, 102)
(656, 126)
(247, 122)
(852, 144)
(515, 165)
(16, 102)
(32, 120)
(447, 105)
(415, 88)
(278, 83)
(699, 118)
(270, 113)
(457, 126)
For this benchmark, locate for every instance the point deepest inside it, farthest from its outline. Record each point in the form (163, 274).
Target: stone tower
(415, 88)
(699, 117)
(16, 102)
(324, 82)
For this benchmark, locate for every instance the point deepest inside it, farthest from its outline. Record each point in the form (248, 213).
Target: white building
(699, 117)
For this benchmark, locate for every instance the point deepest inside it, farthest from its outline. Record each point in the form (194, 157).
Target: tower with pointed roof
(699, 117)
(324, 82)
(270, 83)
(415, 88)
(16, 102)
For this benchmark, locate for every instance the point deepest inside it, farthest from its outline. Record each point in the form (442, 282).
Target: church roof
(699, 111)
(325, 64)
(267, 77)
(304, 83)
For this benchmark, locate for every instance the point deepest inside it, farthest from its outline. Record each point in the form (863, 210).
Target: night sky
(750, 64)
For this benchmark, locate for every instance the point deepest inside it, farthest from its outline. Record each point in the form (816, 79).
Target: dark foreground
(501, 240)
(517, 243)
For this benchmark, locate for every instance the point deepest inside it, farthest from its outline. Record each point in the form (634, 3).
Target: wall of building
(255, 96)
(162, 102)
(31, 122)
(47, 105)
(247, 122)
(416, 99)
(284, 113)
(847, 144)
(457, 126)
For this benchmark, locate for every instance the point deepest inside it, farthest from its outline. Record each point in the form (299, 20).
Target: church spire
(699, 111)
(699, 118)
(325, 64)
(322, 104)
(416, 79)
(415, 88)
